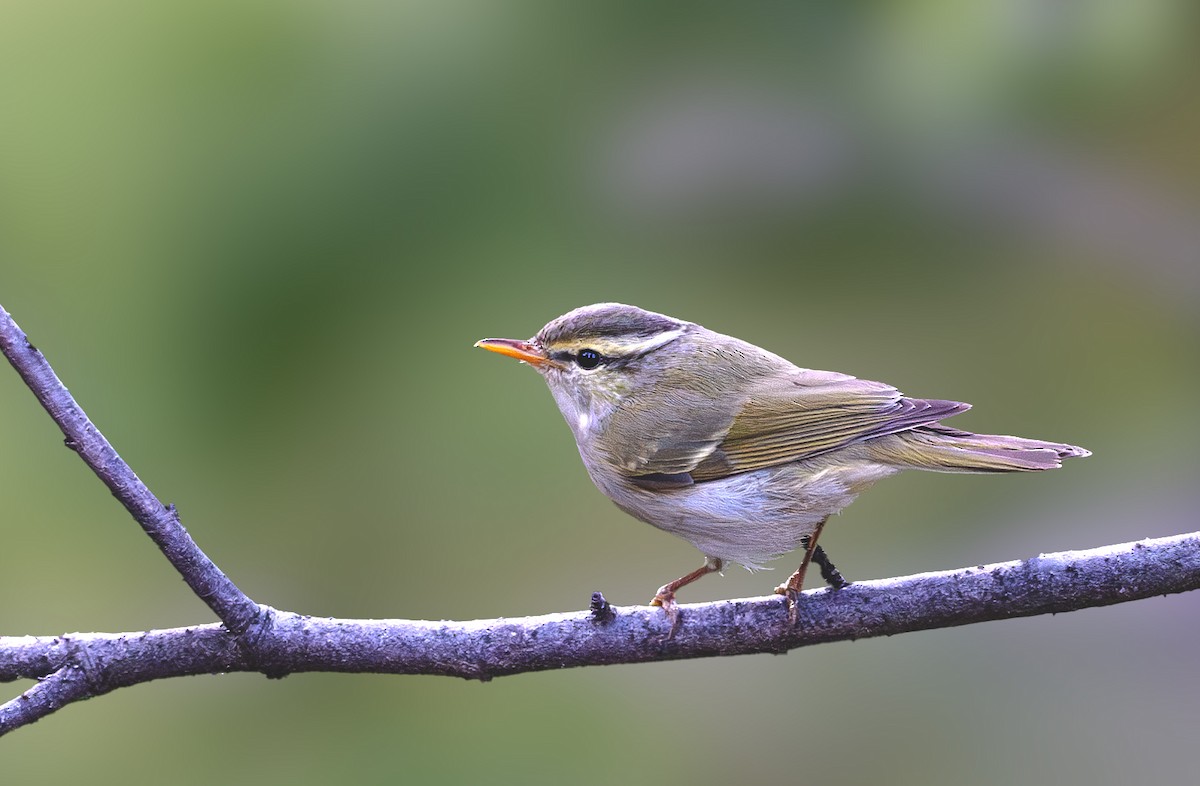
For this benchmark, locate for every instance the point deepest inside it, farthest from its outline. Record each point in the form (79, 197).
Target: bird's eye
(588, 358)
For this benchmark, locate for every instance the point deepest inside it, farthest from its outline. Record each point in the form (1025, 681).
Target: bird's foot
(793, 601)
(665, 597)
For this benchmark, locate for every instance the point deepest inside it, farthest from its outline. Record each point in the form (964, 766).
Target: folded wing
(800, 415)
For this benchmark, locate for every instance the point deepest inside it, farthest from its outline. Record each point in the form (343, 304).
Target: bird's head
(596, 357)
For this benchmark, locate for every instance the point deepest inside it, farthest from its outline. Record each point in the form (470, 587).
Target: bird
(735, 449)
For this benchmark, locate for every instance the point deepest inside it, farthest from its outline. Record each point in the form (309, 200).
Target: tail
(943, 449)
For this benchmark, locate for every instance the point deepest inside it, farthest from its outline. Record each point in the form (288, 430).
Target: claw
(665, 596)
(666, 599)
(793, 601)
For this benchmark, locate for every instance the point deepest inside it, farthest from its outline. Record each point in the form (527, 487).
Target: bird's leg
(791, 588)
(833, 577)
(665, 596)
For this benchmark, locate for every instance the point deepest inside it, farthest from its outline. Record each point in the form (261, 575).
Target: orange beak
(521, 350)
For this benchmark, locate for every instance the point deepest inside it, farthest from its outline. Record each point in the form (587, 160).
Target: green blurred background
(257, 240)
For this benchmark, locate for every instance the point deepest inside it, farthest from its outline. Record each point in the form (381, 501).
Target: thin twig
(52, 692)
(482, 649)
(232, 606)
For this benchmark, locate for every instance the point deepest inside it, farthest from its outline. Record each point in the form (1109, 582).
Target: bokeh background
(257, 240)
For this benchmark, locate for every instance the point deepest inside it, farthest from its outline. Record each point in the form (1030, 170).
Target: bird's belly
(753, 517)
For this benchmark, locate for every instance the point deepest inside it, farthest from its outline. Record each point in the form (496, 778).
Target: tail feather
(944, 449)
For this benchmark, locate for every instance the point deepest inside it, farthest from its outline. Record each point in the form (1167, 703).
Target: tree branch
(88, 664)
(159, 521)
(276, 643)
(52, 692)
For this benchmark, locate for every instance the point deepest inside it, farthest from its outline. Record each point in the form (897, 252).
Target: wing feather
(814, 413)
(793, 414)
